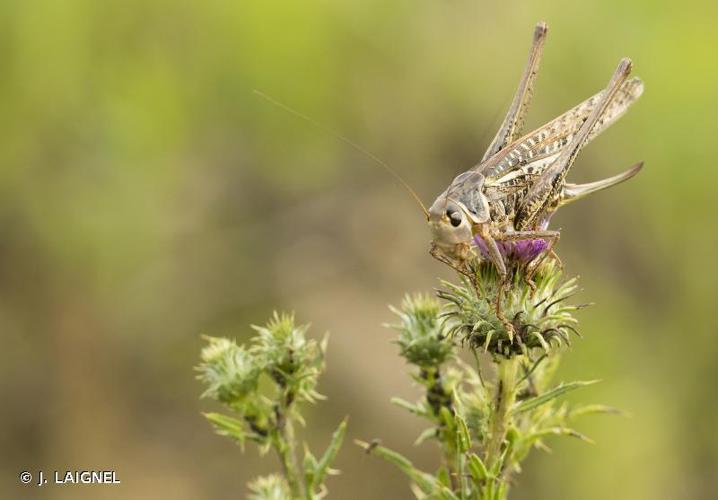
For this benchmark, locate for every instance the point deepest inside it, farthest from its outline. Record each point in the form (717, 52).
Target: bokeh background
(148, 196)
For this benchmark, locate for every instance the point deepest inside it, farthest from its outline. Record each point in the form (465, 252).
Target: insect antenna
(349, 143)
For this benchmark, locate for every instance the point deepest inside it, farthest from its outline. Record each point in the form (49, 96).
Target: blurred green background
(147, 196)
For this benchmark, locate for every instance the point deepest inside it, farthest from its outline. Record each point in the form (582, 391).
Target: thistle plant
(264, 385)
(486, 415)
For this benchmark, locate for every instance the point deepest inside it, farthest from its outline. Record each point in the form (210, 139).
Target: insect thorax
(494, 205)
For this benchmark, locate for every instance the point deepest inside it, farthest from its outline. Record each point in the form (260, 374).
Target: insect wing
(539, 148)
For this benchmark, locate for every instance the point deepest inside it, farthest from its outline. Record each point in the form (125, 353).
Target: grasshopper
(521, 180)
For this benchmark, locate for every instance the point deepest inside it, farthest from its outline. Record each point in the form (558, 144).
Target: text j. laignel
(79, 477)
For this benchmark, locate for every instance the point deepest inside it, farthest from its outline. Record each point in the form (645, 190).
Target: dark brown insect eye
(454, 217)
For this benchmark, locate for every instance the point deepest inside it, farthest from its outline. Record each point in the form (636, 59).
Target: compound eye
(455, 217)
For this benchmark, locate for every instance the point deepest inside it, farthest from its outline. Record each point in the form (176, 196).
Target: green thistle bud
(537, 311)
(289, 358)
(229, 370)
(289, 366)
(423, 339)
(272, 487)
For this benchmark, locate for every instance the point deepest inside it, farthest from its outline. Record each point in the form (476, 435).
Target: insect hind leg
(498, 260)
(511, 127)
(535, 264)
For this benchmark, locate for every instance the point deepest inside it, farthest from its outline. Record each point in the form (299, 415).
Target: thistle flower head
(519, 252)
(229, 370)
(288, 357)
(540, 317)
(515, 253)
(423, 339)
(272, 487)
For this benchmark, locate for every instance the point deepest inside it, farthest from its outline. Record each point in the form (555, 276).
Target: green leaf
(322, 468)
(227, 426)
(447, 418)
(413, 408)
(310, 467)
(544, 345)
(559, 431)
(512, 436)
(464, 437)
(427, 483)
(443, 476)
(529, 371)
(595, 409)
(477, 468)
(544, 398)
(426, 434)
(500, 463)
(501, 492)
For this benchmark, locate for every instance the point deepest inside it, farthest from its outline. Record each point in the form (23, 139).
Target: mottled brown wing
(546, 142)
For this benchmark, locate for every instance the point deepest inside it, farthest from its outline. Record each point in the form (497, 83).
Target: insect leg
(555, 257)
(525, 235)
(457, 264)
(536, 263)
(573, 192)
(436, 252)
(498, 261)
(550, 183)
(513, 122)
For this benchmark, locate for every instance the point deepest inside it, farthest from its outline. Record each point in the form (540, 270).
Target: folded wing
(539, 148)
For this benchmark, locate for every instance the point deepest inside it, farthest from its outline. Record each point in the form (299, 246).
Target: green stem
(500, 418)
(438, 398)
(284, 443)
(451, 458)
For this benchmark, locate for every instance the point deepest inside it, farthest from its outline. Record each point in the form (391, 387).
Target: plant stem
(285, 446)
(505, 397)
(438, 398)
(451, 458)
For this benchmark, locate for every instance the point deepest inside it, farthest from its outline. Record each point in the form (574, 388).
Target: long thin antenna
(349, 143)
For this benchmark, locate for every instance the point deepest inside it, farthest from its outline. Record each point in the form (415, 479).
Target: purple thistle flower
(521, 251)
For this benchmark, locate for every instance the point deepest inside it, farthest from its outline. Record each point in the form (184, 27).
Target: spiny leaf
(477, 468)
(443, 476)
(310, 467)
(413, 408)
(544, 398)
(594, 409)
(227, 426)
(488, 340)
(542, 341)
(447, 418)
(529, 371)
(426, 434)
(428, 484)
(499, 464)
(560, 431)
(322, 468)
(464, 438)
